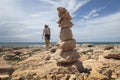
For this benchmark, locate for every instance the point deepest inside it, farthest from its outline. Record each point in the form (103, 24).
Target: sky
(94, 20)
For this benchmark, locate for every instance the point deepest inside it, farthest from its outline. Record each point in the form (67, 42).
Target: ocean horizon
(5, 44)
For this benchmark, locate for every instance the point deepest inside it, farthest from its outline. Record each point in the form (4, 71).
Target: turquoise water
(42, 43)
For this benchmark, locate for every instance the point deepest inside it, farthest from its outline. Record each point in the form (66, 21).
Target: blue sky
(94, 20)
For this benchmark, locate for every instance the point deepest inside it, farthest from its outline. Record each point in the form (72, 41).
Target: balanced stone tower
(65, 52)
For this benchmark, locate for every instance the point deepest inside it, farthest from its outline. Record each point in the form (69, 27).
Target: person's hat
(46, 25)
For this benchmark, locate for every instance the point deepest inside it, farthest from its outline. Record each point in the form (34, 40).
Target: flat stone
(4, 77)
(5, 68)
(113, 56)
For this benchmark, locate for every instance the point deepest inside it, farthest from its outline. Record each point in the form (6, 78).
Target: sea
(5, 44)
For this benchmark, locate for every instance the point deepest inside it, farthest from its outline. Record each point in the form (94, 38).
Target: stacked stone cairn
(65, 52)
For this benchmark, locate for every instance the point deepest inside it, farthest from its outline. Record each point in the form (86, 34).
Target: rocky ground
(96, 62)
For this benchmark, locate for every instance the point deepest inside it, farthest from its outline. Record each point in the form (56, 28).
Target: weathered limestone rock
(87, 45)
(5, 70)
(95, 75)
(108, 47)
(65, 52)
(4, 77)
(11, 57)
(114, 56)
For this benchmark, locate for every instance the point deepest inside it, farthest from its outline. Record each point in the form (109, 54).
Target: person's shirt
(46, 30)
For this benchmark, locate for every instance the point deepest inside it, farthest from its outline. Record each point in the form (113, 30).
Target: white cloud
(93, 13)
(17, 23)
(70, 5)
(79, 4)
(10, 10)
(106, 28)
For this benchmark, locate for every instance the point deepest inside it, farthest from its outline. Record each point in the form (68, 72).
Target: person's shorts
(47, 36)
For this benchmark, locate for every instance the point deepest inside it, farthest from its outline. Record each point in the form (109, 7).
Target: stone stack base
(66, 57)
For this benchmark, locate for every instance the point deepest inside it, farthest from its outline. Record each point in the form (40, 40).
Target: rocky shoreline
(96, 62)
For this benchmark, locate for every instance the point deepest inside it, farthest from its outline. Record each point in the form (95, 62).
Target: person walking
(46, 35)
